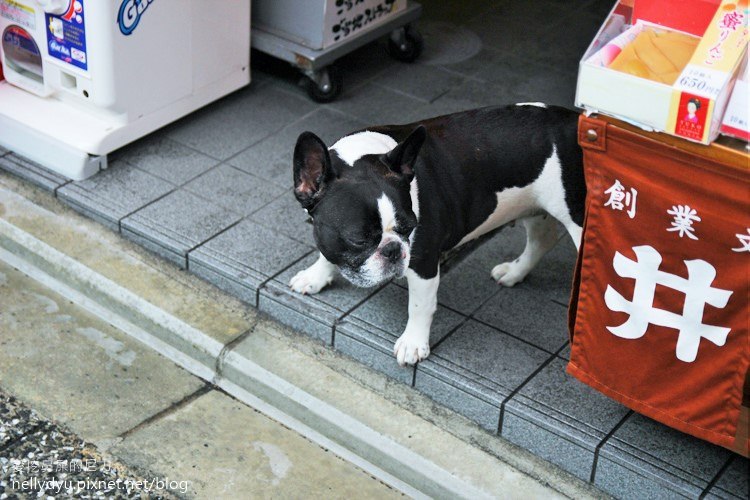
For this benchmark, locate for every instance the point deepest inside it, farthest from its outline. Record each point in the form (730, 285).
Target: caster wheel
(407, 47)
(326, 86)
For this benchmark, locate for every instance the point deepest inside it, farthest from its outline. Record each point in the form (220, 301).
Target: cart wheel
(326, 85)
(405, 44)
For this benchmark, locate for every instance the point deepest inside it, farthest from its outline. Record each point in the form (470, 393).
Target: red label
(691, 116)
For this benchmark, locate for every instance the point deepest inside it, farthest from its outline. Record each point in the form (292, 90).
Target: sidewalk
(159, 421)
(134, 408)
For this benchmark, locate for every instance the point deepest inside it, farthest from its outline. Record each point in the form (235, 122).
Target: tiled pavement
(212, 193)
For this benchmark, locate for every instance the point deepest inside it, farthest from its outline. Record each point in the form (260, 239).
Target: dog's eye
(356, 242)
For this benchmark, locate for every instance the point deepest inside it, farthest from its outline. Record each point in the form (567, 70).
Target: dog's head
(359, 195)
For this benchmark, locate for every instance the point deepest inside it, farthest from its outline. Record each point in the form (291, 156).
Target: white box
(656, 106)
(319, 24)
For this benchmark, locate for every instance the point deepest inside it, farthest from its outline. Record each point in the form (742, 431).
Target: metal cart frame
(324, 82)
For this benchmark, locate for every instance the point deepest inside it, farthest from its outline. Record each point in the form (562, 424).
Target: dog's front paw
(508, 273)
(310, 281)
(408, 349)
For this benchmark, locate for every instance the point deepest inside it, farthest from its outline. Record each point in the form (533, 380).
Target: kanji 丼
(698, 292)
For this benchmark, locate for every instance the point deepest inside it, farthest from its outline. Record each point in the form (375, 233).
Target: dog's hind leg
(541, 236)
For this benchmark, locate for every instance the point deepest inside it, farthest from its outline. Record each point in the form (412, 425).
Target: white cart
(312, 35)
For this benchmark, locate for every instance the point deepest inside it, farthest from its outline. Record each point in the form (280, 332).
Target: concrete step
(383, 427)
(132, 423)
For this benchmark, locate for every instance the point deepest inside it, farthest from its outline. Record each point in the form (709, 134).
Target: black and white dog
(387, 201)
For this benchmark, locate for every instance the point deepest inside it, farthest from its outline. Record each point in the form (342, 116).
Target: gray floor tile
(177, 223)
(467, 397)
(554, 273)
(285, 215)
(565, 353)
(234, 190)
(527, 312)
(271, 159)
(557, 88)
(600, 8)
(241, 258)
(561, 419)
(166, 159)
(452, 47)
(526, 80)
(270, 71)
(370, 331)
(465, 287)
(340, 294)
(646, 459)
(376, 105)
(569, 44)
(475, 369)
(114, 193)
(313, 314)
(370, 347)
(733, 482)
(458, 12)
(423, 82)
(504, 246)
(31, 171)
(239, 120)
(302, 313)
(475, 93)
(484, 64)
(516, 27)
(364, 64)
(387, 310)
(356, 68)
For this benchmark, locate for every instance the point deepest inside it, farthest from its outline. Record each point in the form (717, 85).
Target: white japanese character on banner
(744, 242)
(620, 198)
(698, 292)
(684, 217)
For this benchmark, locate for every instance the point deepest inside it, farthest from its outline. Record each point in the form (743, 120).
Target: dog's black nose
(392, 251)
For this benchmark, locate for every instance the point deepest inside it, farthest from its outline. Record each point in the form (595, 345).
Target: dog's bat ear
(312, 169)
(401, 159)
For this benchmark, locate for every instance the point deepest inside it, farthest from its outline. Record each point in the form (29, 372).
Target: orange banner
(661, 317)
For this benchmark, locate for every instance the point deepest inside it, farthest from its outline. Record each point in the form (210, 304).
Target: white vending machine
(85, 77)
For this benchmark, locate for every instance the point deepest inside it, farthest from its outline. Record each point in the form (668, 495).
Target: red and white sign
(661, 320)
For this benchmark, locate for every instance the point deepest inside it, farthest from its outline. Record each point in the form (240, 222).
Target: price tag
(703, 81)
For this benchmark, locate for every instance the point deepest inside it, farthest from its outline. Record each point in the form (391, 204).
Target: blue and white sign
(66, 35)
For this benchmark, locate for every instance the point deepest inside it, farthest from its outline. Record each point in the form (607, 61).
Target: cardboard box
(319, 24)
(692, 108)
